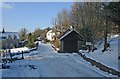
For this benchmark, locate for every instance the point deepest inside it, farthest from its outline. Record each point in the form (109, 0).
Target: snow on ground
(108, 58)
(15, 50)
(19, 50)
(45, 62)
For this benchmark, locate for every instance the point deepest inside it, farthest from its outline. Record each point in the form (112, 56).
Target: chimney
(3, 31)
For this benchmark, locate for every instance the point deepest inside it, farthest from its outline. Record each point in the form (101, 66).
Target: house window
(15, 37)
(9, 37)
(3, 38)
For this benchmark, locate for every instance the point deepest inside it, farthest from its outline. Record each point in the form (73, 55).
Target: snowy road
(47, 63)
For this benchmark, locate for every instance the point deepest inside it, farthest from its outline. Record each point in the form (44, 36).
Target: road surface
(46, 62)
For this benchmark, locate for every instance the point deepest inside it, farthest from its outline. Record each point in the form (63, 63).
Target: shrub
(56, 43)
(31, 39)
(30, 45)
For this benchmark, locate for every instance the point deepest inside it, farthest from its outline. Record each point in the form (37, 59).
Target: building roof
(50, 31)
(12, 34)
(69, 32)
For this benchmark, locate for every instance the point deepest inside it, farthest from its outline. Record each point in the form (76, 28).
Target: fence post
(10, 55)
(22, 55)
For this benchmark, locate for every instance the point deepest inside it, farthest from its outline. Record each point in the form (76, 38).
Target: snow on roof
(12, 34)
(67, 33)
(50, 31)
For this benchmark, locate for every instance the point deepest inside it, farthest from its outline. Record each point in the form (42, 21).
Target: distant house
(50, 35)
(70, 41)
(9, 40)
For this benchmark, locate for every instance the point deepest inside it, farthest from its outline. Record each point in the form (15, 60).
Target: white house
(50, 35)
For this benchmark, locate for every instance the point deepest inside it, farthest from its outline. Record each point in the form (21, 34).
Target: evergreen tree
(31, 40)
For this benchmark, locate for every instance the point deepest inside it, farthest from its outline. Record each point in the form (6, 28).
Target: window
(15, 37)
(3, 38)
(9, 37)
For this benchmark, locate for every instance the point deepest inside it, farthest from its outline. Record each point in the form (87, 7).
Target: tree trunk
(119, 28)
(105, 37)
(105, 41)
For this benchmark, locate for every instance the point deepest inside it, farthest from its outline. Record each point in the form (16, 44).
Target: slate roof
(12, 34)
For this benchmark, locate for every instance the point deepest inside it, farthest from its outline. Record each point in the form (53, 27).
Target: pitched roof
(67, 33)
(12, 34)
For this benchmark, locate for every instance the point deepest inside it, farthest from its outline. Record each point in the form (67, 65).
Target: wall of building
(50, 35)
(8, 44)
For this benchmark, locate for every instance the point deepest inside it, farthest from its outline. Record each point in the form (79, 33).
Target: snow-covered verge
(108, 58)
(16, 50)
(45, 62)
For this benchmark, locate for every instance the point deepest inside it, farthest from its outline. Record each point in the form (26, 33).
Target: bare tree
(88, 16)
(23, 33)
(63, 21)
(37, 32)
